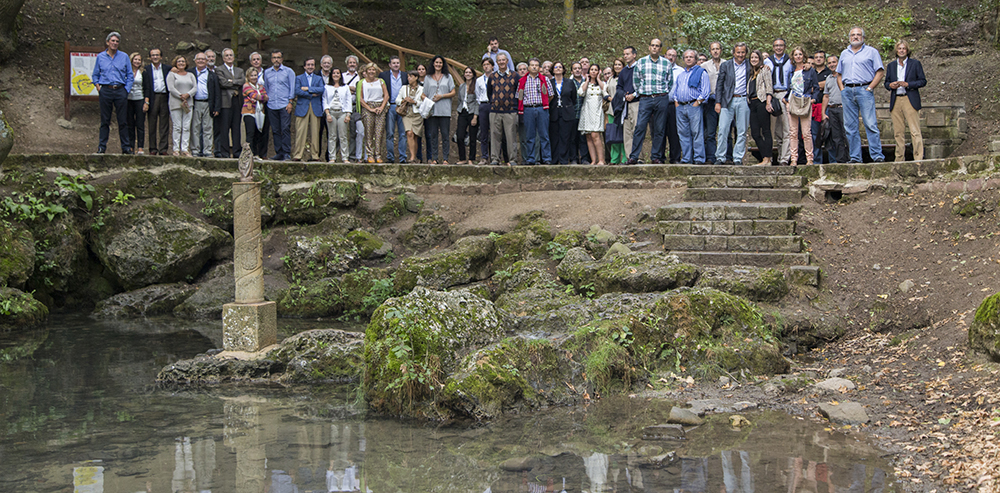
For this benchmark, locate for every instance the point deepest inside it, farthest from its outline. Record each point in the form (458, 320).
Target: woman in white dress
(594, 93)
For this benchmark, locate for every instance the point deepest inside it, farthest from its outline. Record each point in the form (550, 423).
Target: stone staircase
(736, 215)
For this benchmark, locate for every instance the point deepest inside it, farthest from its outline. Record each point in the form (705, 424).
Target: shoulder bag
(799, 105)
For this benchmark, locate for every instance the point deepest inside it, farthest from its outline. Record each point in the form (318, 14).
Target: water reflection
(85, 395)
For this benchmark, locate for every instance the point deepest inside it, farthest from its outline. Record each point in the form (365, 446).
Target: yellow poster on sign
(89, 479)
(81, 66)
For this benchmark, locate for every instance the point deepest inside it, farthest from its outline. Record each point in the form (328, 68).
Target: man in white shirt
(483, 96)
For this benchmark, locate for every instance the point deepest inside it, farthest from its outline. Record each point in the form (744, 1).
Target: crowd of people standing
(697, 109)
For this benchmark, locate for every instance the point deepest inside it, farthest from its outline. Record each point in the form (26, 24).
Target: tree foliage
(442, 13)
(257, 19)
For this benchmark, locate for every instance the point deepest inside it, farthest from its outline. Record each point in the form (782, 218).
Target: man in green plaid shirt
(653, 80)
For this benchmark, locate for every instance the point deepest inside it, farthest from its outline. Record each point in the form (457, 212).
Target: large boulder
(218, 287)
(17, 255)
(469, 259)
(984, 333)
(6, 138)
(753, 283)
(428, 230)
(20, 311)
(311, 202)
(633, 272)
(413, 343)
(155, 242)
(315, 255)
(527, 288)
(355, 294)
(63, 263)
(529, 239)
(158, 299)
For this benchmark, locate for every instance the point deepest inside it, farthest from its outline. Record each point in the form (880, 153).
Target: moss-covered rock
(428, 230)
(527, 288)
(469, 259)
(321, 355)
(62, 264)
(984, 333)
(355, 294)
(311, 257)
(529, 239)
(217, 288)
(415, 342)
(155, 242)
(369, 246)
(511, 375)
(20, 311)
(158, 299)
(599, 240)
(637, 272)
(314, 201)
(17, 255)
(312, 299)
(753, 283)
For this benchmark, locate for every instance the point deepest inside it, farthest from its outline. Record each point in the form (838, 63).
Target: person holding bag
(613, 135)
(408, 101)
(468, 117)
(254, 98)
(802, 90)
(760, 91)
(337, 100)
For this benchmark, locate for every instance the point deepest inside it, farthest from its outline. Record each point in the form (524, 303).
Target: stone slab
(847, 413)
(249, 326)
(807, 275)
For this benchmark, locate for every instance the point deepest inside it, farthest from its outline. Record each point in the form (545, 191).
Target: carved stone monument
(249, 324)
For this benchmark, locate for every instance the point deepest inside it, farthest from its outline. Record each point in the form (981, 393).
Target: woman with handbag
(801, 93)
(337, 105)
(406, 104)
(254, 99)
(468, 116)
(592, 113)
(759, 92)
(613, 131)
(562, 115)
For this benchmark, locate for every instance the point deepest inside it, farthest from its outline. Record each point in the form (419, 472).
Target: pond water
(81, 414)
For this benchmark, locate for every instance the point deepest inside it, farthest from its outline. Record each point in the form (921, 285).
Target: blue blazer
(810, 84)
(914, 76)
(313, 97)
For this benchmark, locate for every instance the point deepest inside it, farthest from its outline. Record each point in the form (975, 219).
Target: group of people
(701, 107)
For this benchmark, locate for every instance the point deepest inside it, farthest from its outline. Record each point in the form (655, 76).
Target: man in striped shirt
(653, 78)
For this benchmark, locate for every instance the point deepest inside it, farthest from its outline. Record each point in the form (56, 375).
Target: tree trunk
(9, 25)
(234, 42)
(669, 32)
(569, 14)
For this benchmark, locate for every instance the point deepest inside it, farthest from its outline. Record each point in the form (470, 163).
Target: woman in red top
(254, 98)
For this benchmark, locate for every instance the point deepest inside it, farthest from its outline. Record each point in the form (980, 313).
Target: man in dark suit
(154, 87)
(904, 76)
(231, 79)
(309, 88)
(206, 107)
(394, 79)
(731, 102)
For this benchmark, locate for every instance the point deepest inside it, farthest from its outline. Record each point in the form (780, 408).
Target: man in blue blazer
(905, 75)
(731, 102)
(309, 89)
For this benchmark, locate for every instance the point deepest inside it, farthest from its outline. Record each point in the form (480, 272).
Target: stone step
(718, 211)
(746, 181)
(714, 243)
(692, 170)
(745, 194)
(743, 227)
(764, 259)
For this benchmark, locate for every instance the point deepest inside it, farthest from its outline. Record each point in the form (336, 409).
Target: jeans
(281, 133)
(113, 100)
(838, 154)
(436, 125)
(394, 132)
(710, 120)
(859, 102)
(655, 109)
(689, 133)
(536, 127)
(818, 141)
(737, 111)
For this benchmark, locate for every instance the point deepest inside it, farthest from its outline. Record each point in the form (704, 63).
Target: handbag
(799, 105)
(425, 107)
(258, 115)
(614, 133)
(776, 107)
(402, 109)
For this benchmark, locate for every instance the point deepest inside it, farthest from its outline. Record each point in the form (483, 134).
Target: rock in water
(154, 242)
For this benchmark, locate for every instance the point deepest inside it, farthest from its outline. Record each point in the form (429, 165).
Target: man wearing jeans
(653, 79)
(533, 93)
(731, 102)
(710, 119)
(691, 89)
(394, 132)
(858, 73)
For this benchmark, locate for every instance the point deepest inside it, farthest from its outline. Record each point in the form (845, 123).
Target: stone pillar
(249, 324)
